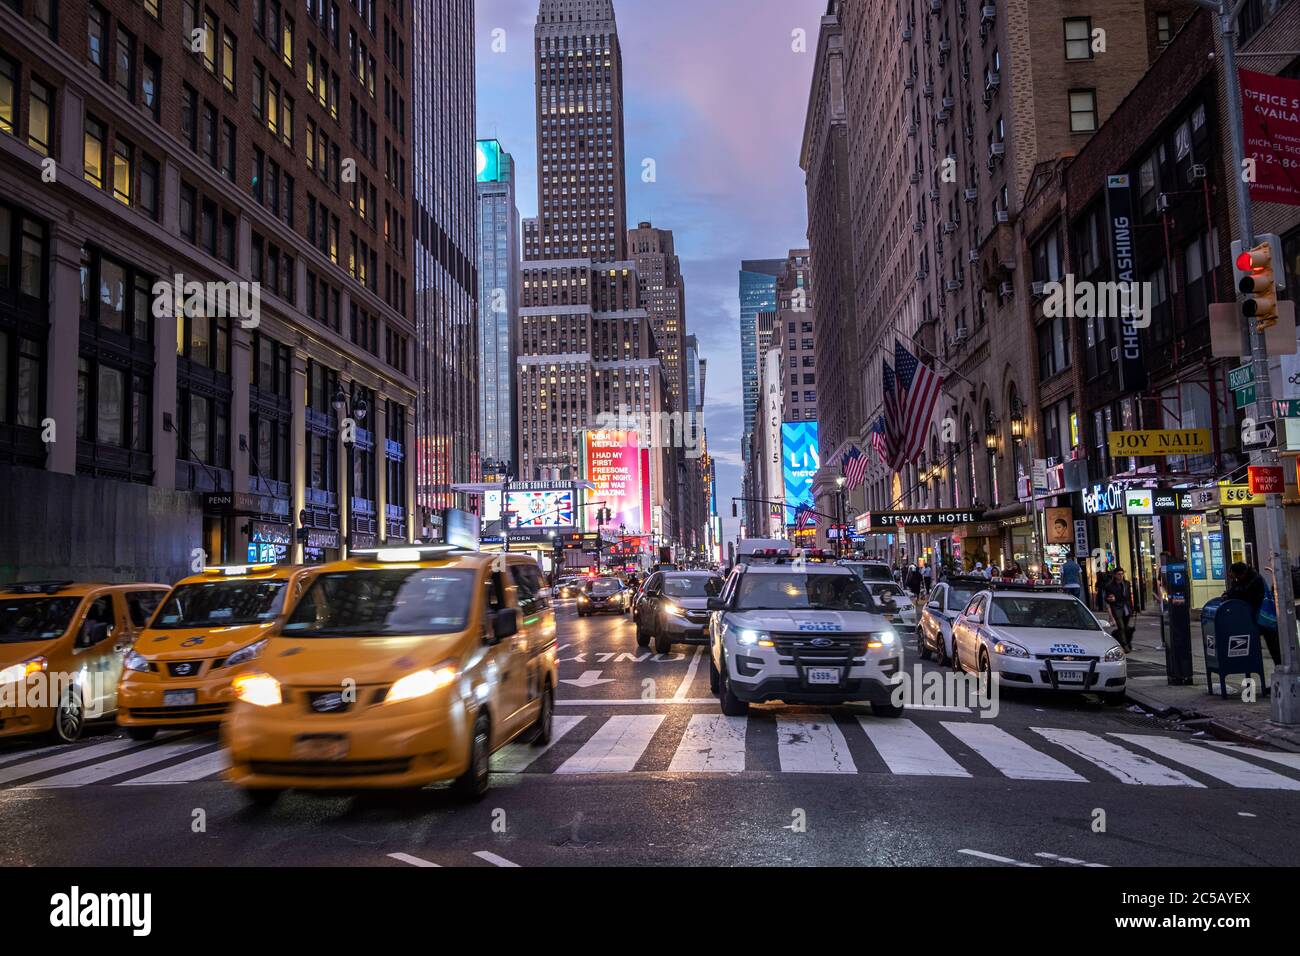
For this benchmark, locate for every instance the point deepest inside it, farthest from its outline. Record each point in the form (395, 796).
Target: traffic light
(1258, 281)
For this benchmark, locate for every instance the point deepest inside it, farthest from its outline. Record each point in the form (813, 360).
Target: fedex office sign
(1103, 499)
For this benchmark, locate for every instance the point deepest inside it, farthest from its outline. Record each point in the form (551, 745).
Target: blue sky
(715, 93)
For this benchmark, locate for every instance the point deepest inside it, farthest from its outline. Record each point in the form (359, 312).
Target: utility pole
(1286, 678)
(505, 514)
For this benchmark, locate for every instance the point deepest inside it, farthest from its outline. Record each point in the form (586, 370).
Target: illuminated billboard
(488, 156)
(621, 475)
(799, 462)
(541, 509)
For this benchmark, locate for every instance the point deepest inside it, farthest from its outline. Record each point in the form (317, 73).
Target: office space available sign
(1160, 443)
(1270, 109)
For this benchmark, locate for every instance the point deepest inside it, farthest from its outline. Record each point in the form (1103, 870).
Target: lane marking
(63, 758)
(712, 743)
(1212, 763)
(813, 744)
(598, 701)
(685, 685)
(1010, 756)
(187, 771)
(1122, 764)
(413, 860)
(494, 859)
(1071, 860)
(616, 747)
(17, 755)
(1285, 759)
(102, 770)
(907, 749)
(997, 859)
(515, 758)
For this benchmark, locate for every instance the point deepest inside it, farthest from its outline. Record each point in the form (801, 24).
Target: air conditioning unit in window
(998, 148)
(1006, 290)
(960, 336)
(992, 80)
(1003, 216)
(974, 255)
(952, 285)
(1199, 171)
(949, 228)
(907, 34)
(921, 275)
(918, 226)
(1162, 203)
(972, 195)
(988, 13)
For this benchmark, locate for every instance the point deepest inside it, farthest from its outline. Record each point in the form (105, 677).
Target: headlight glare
(1007, 649)
(135, 661)
(262, 690)
(422, 683)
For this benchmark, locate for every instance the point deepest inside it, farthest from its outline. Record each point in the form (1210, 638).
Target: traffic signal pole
(1286, 678)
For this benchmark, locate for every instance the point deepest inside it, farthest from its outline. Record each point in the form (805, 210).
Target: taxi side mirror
(505, 623)
(92, 632)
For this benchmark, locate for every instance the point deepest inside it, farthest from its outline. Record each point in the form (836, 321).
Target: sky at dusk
(715, 93)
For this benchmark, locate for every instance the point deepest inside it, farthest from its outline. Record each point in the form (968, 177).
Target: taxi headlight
(422, 683)
(19, 672)
(246, 654)
(262, 690)
(135, 661)
(1116, 653)
(1007, 649)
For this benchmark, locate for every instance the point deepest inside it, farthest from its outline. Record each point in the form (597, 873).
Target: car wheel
(713, 675)
(986, 675)
(922, 648)
(732, 706)
(955, 660)
(887, 710)
(69, 718)
(262, 798)
(941, 651)
(473, 783)
(642, 636)
(663, 641)
(142, 733)
(545, 726)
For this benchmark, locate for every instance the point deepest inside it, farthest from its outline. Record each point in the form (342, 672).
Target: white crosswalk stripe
(907, 749)
(712, 742)
(1011, 756)
(812, 745)
(615, 747)
(515, 758)
(1212, 763)
(1114, 759)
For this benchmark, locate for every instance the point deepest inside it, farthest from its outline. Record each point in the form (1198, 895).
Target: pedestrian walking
(1072, 577)
(1119, 598)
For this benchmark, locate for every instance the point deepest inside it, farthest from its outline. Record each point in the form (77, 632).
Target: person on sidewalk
(1072, 577)
(1119, 598)
(1246, 584)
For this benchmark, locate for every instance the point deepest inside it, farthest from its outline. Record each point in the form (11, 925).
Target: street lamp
(355, 410)
(991, 436)
(1017, 423)
(842, 511)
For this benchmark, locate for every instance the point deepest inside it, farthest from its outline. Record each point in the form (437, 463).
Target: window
(210, 35)
(123, 171)
(40, 115)
(151, 84)
(228, 62)
(1083, 111)
(97, 39)
(147, 194)
(229, 139)
(1078, 38)
(8, 95)
(286, 43)
(124, 77)
(209, 133)
(1164, 28)
(259, 90)
(190, 116)
(93, 152)
(189, 203)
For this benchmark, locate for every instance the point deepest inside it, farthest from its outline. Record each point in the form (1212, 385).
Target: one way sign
(1257, 436)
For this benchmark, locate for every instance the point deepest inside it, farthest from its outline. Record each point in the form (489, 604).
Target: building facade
(757, 294)
(215, 309)
(498, 307)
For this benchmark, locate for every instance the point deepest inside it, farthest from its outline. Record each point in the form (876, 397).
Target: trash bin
(1231, 640)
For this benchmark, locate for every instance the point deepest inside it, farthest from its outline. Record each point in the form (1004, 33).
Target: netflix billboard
(621, 474)
(1270, 107)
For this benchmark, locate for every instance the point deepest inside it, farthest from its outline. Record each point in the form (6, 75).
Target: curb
(1222, 728)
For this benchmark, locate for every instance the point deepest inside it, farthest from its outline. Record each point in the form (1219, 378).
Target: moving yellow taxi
(61, 649)
(396, 668)
(210, 627)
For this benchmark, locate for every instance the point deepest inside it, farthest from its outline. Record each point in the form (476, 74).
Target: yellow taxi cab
(398, 667)
(61, 652)
(210, 627)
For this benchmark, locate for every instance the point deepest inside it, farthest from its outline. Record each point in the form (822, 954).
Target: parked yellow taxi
(398, 667)
(210, 627)
(61, 651)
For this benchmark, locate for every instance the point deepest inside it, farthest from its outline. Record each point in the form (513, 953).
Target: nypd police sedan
(800, 633)
(1042, 639)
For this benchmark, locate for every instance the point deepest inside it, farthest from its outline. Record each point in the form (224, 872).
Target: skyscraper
(757, 294)
(663, 295)
(587, 349)
(442, 178)
(498, 305)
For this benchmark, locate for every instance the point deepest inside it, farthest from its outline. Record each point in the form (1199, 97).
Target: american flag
(892, 418)
(855, 467)
(879, 443)
(917, 393)
(804, 517)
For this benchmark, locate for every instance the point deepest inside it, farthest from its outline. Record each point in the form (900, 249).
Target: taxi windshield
(1042, 612)
(803, 592)
(695, 586)
(221, 604)
(396, 602)
(35, 618)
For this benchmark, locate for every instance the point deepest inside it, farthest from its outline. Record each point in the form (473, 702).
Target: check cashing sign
(1161, 443)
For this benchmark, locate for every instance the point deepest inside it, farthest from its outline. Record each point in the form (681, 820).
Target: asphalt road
(646, 771)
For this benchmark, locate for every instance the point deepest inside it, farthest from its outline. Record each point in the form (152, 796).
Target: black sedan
(603, 595)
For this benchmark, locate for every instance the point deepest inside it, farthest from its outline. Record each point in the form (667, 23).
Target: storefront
(1215, 535)
(979, 543)
(242, 526)
(904, 537)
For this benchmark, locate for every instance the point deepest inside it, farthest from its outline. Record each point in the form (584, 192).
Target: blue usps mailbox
(1232, 644)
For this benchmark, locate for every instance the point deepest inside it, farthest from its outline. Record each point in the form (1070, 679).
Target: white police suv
(802, 630)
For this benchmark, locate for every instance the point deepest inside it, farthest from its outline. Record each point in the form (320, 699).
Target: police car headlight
(1007, 649)
(883, 639)
(748, 638)
(1113, 655)
(422, 683)
(246, 654)
(135, 661)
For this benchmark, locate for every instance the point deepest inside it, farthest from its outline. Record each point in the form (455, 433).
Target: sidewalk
(1230, 718)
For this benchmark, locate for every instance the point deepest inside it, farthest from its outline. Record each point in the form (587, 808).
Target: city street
(644, 770)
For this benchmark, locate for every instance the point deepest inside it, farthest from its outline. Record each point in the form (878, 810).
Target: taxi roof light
(238, 570)
(404, 554)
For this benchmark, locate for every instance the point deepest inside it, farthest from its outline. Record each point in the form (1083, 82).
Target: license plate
(1070, 677)
(823, 675)
(326, 747)
(180, 698)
